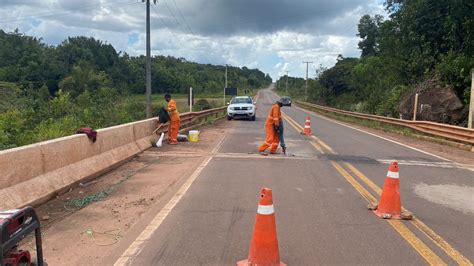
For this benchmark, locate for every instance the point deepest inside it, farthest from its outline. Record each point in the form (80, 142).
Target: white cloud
(273, 35)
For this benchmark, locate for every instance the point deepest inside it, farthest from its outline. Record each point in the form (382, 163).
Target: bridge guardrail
(450, 132)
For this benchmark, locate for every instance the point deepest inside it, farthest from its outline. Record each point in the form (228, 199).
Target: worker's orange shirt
(274, 117)
(173, 110)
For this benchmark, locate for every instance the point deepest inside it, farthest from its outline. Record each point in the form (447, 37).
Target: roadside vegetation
(421, 42)
(50, 91)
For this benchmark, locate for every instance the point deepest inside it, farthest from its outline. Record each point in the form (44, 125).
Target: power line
(184, 19)
(172, 14)
(188, 29)
(161, 19)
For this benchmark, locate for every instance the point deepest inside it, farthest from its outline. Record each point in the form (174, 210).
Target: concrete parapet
(32, 174)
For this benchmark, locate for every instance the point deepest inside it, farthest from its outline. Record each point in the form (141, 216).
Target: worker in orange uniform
(174, 120)
(272, 124)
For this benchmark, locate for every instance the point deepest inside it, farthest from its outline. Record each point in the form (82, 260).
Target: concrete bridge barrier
(31, 175)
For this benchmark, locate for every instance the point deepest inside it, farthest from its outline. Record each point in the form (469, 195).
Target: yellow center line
(317, 147)
(433, 236)
(296, 126)
(429, 255)
(422, 227)
(299, 128)
(323, 144)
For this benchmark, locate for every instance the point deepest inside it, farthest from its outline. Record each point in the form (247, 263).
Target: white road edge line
(375, 135)
(140, 242)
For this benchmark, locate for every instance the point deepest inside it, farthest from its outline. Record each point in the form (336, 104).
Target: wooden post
(415, 107)
(191, 99)
(471, 103)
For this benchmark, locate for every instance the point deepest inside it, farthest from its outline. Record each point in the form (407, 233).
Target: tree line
(81, 63)
(50, 91)
(419, 40)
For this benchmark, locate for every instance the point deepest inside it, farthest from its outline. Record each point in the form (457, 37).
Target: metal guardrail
(188, 119)
(454, 133)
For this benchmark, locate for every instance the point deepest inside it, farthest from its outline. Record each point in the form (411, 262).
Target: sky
(273, 35)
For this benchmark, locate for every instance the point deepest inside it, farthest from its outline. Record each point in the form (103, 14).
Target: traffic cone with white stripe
(390, 204)
(307, 127)
(264, 244)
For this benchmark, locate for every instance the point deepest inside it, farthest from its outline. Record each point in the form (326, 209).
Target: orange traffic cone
(307, 127)
(390, 205)
(264, 245)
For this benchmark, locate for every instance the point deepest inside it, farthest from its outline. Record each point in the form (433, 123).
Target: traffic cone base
(264, 244)
(387, 215)
(247, 263)
(402, 216)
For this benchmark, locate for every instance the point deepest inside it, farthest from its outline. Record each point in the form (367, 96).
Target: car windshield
(241, 100)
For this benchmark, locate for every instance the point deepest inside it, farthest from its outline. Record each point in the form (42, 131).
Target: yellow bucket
(193, 136)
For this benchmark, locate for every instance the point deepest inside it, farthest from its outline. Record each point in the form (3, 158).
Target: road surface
(320, 192)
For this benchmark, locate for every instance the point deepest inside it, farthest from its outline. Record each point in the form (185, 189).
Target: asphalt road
(320, 192)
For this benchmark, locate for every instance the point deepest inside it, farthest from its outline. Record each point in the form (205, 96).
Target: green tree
(337, 78)
(83, 77)
(369, 33)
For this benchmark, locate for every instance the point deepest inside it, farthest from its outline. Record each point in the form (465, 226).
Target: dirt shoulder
(90, 221)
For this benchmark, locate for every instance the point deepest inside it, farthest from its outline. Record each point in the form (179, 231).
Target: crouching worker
(174, 120)
(272, 130)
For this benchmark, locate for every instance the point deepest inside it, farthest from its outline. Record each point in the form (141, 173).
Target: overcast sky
(273, 35)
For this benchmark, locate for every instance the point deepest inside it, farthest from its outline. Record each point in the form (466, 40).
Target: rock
(436, 103)
(45, 217)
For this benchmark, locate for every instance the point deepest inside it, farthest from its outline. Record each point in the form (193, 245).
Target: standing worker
(174, 120)
(272, 129)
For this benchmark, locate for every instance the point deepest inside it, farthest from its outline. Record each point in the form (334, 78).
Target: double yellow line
(428, 254)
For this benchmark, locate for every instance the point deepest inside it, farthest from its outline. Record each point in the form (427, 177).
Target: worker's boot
(284, 150)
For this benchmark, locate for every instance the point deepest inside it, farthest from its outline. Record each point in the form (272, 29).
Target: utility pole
(287, 81)
(306, 84)
(148, 60)
(471, 103)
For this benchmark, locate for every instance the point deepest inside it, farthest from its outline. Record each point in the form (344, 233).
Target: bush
(389, 107)
(202, 104)
(455, 69)
(13, 126)
(51, 129)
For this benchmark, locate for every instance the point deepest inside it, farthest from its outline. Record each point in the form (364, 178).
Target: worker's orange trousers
(271, 139)
(173, 131)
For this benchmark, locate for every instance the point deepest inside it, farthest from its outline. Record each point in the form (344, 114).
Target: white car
(242, 107)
